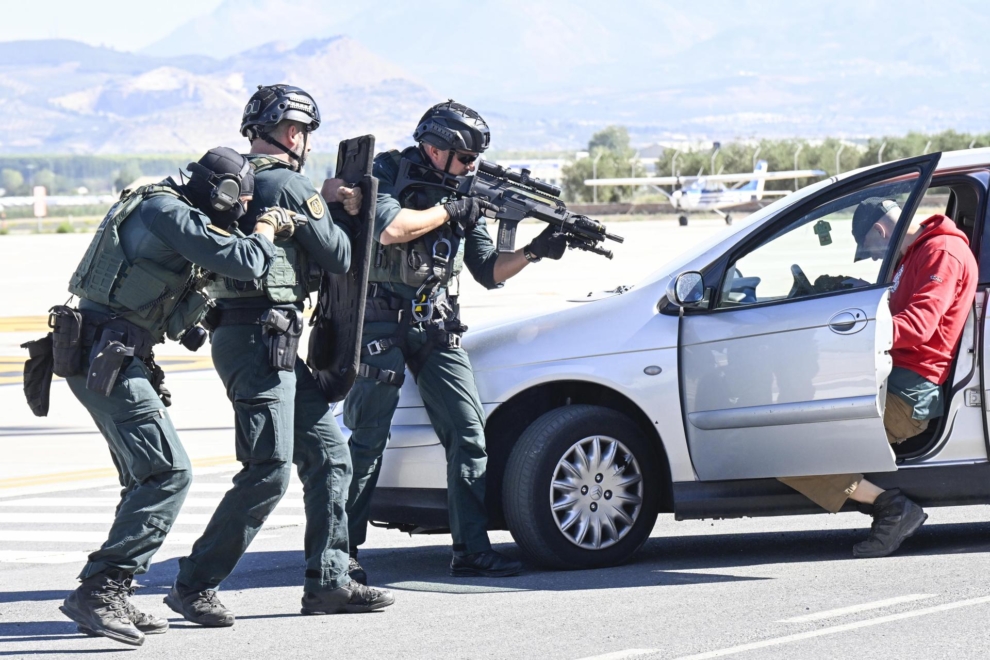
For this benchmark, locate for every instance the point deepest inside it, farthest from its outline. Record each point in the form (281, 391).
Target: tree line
(65, 174)
(611, 156)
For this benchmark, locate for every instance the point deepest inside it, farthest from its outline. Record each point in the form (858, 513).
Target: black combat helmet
(272, 104)
(450, 125)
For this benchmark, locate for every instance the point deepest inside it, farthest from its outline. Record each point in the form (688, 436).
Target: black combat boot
(146, 623)
(356, 572)
(99, 607)
(202, 607)
(484, 564)
(352, 598)
(895, 518)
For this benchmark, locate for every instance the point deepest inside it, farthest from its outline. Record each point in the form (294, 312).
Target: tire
(539, 455)
(682, 221)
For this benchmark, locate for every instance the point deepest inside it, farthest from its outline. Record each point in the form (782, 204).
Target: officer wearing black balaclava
(140, 281)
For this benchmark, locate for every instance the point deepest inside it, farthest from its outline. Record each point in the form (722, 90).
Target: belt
(135, 336)
(245, 315)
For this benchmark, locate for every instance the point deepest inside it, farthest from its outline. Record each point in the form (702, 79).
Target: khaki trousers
(831, 491)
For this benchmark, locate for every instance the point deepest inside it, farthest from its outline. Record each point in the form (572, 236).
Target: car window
(814, 254)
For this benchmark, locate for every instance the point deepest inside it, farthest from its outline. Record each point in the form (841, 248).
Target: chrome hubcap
(596, 493)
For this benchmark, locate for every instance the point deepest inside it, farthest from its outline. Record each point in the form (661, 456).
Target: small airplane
(708, 193)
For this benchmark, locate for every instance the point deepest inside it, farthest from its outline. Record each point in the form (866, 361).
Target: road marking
(111, 502)
(294, 487)
(41, 557)
(620, 655)
(852, 609)
(100, 518)
(96, 473)
(24, 324)
(450, 588)
(97, 537)
(787, 639)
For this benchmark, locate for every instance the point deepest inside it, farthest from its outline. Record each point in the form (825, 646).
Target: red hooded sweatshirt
(932, 294)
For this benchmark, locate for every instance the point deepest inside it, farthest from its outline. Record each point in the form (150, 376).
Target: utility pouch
(38, 374)
(105, 367)
(67, 329)
(282, 329)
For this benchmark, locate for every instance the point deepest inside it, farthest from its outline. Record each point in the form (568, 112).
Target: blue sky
(119, 24)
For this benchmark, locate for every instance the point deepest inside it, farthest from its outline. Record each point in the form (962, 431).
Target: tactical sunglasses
(466, 159)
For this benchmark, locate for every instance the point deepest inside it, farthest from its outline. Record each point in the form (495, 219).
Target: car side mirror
(686, 289)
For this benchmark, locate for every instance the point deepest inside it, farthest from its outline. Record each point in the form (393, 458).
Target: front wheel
(581, 488)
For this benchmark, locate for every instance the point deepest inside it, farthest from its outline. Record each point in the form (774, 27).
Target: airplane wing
(714, 178)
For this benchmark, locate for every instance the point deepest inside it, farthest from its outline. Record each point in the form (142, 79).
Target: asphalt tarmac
(767, 588)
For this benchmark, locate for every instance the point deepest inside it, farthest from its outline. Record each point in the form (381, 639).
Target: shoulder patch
(315, 206)
(217, 230)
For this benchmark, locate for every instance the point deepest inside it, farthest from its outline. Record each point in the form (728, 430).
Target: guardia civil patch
(217, 230)
(315, 206)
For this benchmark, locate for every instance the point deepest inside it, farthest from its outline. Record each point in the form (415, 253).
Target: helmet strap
(300, 160)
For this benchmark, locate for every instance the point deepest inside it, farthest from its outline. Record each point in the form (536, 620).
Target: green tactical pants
(153, 468)
(278, 416)
(446, 384)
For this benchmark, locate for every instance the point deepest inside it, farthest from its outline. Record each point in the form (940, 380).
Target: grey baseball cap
(869, 211)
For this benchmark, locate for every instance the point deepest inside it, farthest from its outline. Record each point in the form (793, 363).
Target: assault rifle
(517, 196)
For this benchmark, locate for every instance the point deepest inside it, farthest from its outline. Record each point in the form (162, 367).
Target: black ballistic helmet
(450, 125)
(272, 104)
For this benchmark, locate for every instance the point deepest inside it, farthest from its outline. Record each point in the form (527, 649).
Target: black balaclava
(201, 188)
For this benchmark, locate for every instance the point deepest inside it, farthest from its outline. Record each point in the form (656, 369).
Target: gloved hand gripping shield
(335, 342)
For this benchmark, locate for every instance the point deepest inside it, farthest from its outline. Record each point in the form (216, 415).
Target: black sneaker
(202, 607)
(895, 519)
(98, 606)
(484, 564)
(146, 623)
(352, 598)
(356, 572)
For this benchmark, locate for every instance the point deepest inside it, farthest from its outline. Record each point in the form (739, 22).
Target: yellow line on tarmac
(12, 367)
(24, 324)
(97, 473)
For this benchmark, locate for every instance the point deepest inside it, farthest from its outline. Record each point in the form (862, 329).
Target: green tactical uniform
(444, 375)
(132, 272)
(279, 416)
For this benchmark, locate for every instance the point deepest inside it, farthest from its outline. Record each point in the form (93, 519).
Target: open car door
(784, 373)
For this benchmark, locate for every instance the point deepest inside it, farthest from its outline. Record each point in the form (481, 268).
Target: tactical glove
(281, 220)
(466, 211)
(548, 245)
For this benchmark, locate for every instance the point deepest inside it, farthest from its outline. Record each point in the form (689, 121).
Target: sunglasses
(466, 159)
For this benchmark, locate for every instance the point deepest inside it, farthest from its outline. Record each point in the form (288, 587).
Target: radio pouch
(67, 352)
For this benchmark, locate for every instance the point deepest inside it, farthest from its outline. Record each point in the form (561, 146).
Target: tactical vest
(163, 302)
(412, 263)
(290, 278)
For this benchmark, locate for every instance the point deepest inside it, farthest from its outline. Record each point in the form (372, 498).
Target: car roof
(952, 160)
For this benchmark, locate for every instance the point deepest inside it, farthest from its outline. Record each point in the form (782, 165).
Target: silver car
(761, 354)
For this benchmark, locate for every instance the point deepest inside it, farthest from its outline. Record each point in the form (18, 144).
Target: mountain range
(545, 75)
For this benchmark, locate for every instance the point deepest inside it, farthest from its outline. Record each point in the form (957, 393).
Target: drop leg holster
(282, 329)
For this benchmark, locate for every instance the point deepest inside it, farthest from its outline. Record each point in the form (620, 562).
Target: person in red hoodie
(931, 295)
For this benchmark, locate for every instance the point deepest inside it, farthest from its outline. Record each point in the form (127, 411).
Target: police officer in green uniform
(280, 413)
(136, 285)
(412, 319)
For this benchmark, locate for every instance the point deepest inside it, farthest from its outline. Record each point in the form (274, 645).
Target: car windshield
(678, 263)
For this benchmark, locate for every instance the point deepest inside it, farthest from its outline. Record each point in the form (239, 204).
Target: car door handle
(847, 322)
